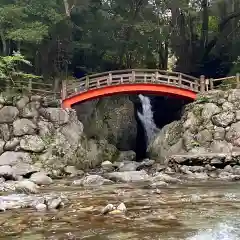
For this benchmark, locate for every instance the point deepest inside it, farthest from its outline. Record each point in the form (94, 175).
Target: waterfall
(146, 117)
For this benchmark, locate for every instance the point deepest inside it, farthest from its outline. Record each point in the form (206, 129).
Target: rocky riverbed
(192, 210)
(144, 200)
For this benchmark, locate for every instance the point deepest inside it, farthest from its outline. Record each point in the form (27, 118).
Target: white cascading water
(146, 117)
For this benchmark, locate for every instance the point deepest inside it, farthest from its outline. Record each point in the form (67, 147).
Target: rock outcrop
(37, 137)
(211, 124)
(111, 118)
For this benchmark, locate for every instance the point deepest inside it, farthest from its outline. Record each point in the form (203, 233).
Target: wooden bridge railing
(131, 76)
(113, 78)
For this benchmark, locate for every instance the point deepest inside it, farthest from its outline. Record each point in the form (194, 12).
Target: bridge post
(109, 82)
(211, 83)
(133, 76)
(156, 76)
(64, 89)
(202, 83)
(30, 86)
(238, 80)
(180, 79)
(87, 83)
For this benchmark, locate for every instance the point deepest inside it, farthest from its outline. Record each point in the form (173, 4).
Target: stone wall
(211, 124)
(35, 136)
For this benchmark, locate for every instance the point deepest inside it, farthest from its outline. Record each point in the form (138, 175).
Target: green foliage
(108, 35)
(236, 67)
(9, 67)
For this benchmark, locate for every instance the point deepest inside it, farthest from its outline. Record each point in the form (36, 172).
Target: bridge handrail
(136, 70)
(130, 76)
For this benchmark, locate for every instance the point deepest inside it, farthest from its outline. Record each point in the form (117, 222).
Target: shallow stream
(193, 211)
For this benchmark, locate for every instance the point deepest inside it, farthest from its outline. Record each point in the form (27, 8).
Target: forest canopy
(73, 37)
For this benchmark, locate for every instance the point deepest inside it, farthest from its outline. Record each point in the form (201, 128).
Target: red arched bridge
(133, 81)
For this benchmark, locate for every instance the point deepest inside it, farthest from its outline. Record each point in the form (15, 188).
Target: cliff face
(209, 125)
(111, 118)
(35, 136)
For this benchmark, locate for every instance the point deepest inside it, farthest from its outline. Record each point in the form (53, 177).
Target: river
(192, 211)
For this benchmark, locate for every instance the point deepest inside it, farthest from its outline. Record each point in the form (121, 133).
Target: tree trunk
(66, 5)
(204, 35)
(4, 43)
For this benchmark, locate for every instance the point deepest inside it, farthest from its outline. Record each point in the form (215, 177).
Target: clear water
(193, 211)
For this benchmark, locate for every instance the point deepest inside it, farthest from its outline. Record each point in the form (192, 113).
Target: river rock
(32, 144)
(55, 115)
(30, 110)
(191, 122)
(126, 156)
(233, 134)
(129, 176)
(73, 171)
(26, 186)
(11, 144)
(219, 133)
(7, 172)
(128, 166)
(110, 207)
(200, 176)
(209, 109)
(2, 143)
(41, 178)
(121, 207)
(4, 132)
(107, 166)
(24, 169)
(41, 207)
(165, 178)
(228, 176)
(53, 202)
(21, 103)
(158, 184)
(12, 158)
(8, 114)
(221, 147)
(45, 128)
(92, 180)
(223, 119)
(23, 127)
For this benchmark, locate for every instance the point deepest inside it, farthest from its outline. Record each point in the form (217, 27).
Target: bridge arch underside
(157, 89)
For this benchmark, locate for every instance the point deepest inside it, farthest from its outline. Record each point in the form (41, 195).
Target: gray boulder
(130, 176)
(11, 144)
(92, 180)
(12, 158)
(4, 132)
(40, 178)
(55, 115)
(7, 172)
(223, 119)
(23, 127)
(8, 114)
(26, 186)
(32, 144)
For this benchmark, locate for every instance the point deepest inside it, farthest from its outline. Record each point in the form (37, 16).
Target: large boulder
(129, 176)
(8, 114)
(111, 118)
(23, 127)
(32, 144)
(12, 158)
(55, 115)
